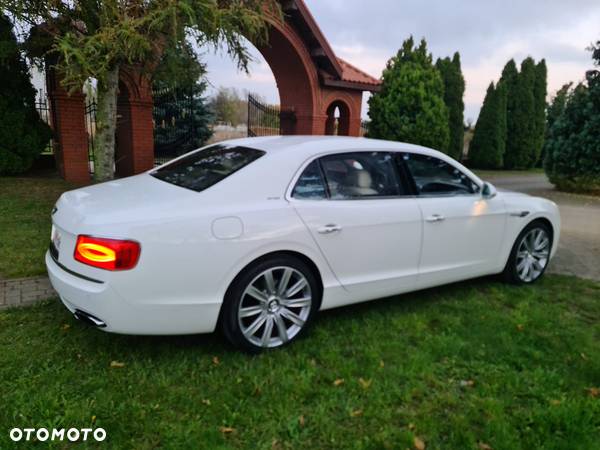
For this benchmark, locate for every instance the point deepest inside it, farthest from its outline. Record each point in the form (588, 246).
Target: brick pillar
(68, 122)
(135, 130)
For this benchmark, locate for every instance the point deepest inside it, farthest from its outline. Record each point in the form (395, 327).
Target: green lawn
(459, 367)
(25, 206)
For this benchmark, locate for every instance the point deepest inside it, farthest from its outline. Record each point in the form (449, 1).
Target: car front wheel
(530, 254)
(270, 304)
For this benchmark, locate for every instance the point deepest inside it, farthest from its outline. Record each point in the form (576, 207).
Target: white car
(256, 235)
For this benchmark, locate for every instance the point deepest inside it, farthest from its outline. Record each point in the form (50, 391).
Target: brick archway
(309, 76)
(343, 121)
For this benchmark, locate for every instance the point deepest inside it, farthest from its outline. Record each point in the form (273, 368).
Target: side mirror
(488, 190)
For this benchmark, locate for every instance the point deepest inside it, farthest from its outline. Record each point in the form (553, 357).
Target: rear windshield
(200, 170)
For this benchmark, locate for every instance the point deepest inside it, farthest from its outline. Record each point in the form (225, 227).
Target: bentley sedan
(254, 236)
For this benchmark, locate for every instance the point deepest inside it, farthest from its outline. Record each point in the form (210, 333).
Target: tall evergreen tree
(509, 80)
(23, 135)
(539, 93)
(521, 132)
(410, 106)
(489, 139)
(454, 89)
(180, 79)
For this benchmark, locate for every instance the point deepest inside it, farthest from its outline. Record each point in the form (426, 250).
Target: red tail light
(109, 254)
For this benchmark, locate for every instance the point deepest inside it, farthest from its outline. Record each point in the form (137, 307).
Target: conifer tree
(410, 106)
(489, 139)
(23, 135)
(454, 89)
(539, 93)
(509, 80)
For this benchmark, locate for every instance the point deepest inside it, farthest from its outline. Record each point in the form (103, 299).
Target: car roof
(314, 145)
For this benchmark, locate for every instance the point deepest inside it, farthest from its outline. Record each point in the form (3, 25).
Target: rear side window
(361, 175)
(202, 169)
(310, 185)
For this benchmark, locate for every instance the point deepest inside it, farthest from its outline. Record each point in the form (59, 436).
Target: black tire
(232, 324)
(511, 273)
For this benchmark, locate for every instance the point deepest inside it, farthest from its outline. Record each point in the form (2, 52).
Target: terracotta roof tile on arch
(352, 78)
(355, 75)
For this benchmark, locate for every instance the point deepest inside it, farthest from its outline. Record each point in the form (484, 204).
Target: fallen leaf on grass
(366, 384)
(227, 430)
(583, 356)
(216, 361)
(520, 327)
(356, 413)
(418, 443)
(467, 383)
(594, 392)
(206, 402)
(66, 327)
(301, 421)
(484, 446)
(117, 364)
(338, 382)
(411, 426)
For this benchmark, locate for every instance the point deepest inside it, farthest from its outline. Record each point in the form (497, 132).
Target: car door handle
(329, 228)
(435, 218)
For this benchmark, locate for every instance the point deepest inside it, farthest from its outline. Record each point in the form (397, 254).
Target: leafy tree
(97, 39)
(454, 90)
(489, 140)
(572, 146)
(540, 89)
(23, 135)
(228, 107)
(410, 106)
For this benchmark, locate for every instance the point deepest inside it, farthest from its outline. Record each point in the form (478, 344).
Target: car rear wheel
(270, 304)
(530, 254)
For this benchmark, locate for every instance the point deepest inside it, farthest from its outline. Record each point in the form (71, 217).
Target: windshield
(201, 169)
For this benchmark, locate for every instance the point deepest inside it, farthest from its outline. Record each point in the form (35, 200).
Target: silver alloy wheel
(274, 306)
(532, 254)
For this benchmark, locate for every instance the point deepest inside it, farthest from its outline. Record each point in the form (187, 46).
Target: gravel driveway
(579, 245)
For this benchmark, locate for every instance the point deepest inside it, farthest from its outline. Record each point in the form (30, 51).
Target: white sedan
(257, 235)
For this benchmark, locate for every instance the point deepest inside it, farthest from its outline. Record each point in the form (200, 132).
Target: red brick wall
(71, 139)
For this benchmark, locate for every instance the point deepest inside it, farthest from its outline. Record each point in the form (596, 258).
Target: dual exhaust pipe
(89, 319)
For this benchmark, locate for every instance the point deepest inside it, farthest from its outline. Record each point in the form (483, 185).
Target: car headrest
(360, 178)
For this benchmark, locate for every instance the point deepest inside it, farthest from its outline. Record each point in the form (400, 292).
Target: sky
(487, 33)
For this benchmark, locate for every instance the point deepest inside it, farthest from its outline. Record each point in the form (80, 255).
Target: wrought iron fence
(43, 109)
(263, 119)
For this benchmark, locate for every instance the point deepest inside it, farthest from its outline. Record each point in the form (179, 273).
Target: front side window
(360, 175)
(310, 185)
(202, 169)
(436, 177)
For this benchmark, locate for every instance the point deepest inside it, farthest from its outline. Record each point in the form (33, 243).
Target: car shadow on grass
(216, 344)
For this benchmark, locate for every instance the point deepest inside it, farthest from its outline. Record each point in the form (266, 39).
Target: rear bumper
(130, 316)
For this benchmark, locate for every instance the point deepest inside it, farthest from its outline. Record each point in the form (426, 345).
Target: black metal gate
(263, 119)
(174, 124)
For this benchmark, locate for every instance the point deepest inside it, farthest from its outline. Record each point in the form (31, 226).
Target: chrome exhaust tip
(89, 319)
